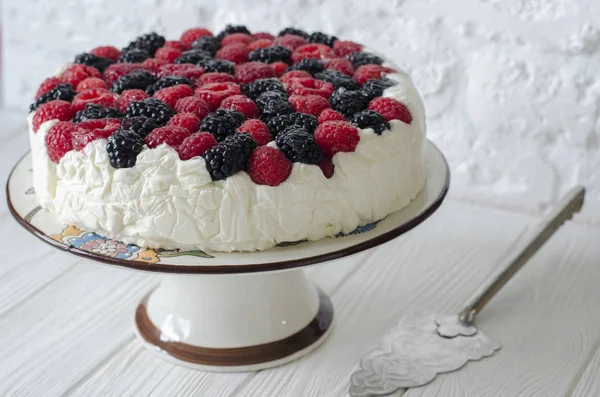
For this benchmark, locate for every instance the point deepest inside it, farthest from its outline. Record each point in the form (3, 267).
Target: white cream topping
(164, 202)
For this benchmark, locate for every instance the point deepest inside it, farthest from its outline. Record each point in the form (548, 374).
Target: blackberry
(247, 143)
(258, 87)
(348, 102)
(168, 81)
(275, 108)
(362, 58)
(322, 38)
(271, 54)
(230, 29)
(93, 60)
(222, 123)
(375, 87)
(207, 44)
(217, 65)
(139, 79)
(299, 146)
(294, 31)
(140, 125)
(280, 123)
(338, 79)
(270, 96)
(134, 55)
(370, 119)
(149, 42)
(63, 91)
(228, 157)
(123, 148)
(151, 107)
(93, 111)
(193, 56)
(309, 65)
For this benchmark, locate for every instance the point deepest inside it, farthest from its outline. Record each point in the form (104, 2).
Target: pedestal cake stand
(229, 311)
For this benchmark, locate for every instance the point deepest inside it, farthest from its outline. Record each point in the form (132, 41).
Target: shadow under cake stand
(229, 311)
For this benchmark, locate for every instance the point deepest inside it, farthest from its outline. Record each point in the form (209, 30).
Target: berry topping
(290, 41)
(59, 140)
(340, 64)
(192, 72)
(168, 81)
(127, 97)
(116, 70)
(171, 95)
(309, 65)
(237, 38)
(279, 68)
(142, 126)
(47, 85)
(133, 55)
(90, 83)
(191, 35)
(274, 108)
(92, 60)
(168, 54)
(194, 105)
(248, 72)
(91, 130)
(138, 79)
(309, 86)
(149, 42)
(278, 124)
(214, 93)
(242, 104)
(374, 88)
(207, 44)
(268, 166)
(391, 109)
(98, 96)
(218, 65)
(94, 111)
(236, 53)
(362, 58)
(322, 38)
(231, 29)
(348, 102)
(53, 110)
(310, 104)
(63, 92)
(327, 167)
(258, 130)
(330, 115)
(196, 145)
(295, 32)
(152, 108)
(336, 136)
(299, 146)
(343, 48)
(262, 35)
(229, 156)
(338, 79)
(215, 77)
(222, 123)
(123, 148)
(286, 78)
(316, 51)
(271, 54)
(170, 135)
(193, 56)
(257, 87)
(108, 52)
(260, 43)
(189, 121)
(370, 119)
(368, 72)
(76, 73)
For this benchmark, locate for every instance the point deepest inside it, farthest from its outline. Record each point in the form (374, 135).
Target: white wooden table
(66, 325)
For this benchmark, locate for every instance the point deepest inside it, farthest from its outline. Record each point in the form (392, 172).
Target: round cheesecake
(344, 141)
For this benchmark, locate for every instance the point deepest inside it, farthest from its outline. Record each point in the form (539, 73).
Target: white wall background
(512, 87)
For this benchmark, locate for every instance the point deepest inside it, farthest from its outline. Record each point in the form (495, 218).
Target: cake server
(424, 345)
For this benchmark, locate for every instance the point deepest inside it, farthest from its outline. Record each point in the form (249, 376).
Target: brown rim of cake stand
(245, 268)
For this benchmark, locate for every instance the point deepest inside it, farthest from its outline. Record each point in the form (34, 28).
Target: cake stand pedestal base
(238, 322)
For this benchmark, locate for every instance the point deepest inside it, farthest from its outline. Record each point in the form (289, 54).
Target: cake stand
(229, 311)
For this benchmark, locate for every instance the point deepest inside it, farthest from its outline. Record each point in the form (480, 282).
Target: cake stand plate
(229, 311)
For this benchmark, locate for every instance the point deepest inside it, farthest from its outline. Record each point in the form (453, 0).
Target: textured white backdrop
(512, 87)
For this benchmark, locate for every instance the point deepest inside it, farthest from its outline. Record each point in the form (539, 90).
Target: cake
(227, 142)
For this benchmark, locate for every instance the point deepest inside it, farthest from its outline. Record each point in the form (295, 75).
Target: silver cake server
(426, 344)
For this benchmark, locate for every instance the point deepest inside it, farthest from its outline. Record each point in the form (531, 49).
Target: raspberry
(391, 109)
(208, 44)
(153, 64)
(343, 48)
(108, 52)
(248, 72)
(127, 97)
(98, 96)
(236, 38)
(171, 95)
(222, 123)
(47, 85)
(262, 36)
(177, 44)
(326, 167)
(58, 140)
(76, 73)
(215, 77)
(168, 54)
(194, 105)
(317, 51)
(236, 53)
(309, 86)
(242, 104)
(268, 166)
(192, 72)
(168, 81)
(370, 119)
(290, 41)
(258, 130)
(260, 43)
(299, 146)
(123, 147)
(92, 60)
(151, 108)
(348, 102)
(139, 79)
(94, 111)
(214, 93)
(189, 121)
(91, 82)
(53, 110)
(338, 79)
(309, 65)
(362, 58)
(336, 136)
(218, 65)
(294, 31)
(340, 64)
(191, 35)
(91, 130)
(330, 115)
(116, 70)
(286, 78)
(279, 68)
(375, 87)
(322, 38)
(196, 145)
(368, 72)
(193, 56)
(171, 135)
(271, 54)
(63, 91)
(309, 104)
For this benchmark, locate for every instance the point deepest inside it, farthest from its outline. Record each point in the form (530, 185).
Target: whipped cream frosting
(164, 202)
